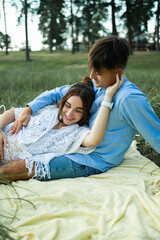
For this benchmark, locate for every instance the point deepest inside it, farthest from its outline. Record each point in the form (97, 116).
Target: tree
(129, 24)
(137, 21)
(114, 29)
(87, 19)
(52, 22)
(5, 23)
(3, 41)
(72, 28)
(157, 27)
(26, 29)
(25, 7)
(74, 22)
(94, 16)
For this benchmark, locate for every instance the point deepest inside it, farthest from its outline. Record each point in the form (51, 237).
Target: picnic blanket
(122, 203)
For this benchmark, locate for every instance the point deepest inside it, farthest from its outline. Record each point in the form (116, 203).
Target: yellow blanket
(122, 203)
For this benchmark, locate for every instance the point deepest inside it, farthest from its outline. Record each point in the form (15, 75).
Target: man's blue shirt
(131, 112)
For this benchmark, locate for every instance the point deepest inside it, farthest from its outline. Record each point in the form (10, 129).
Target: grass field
(21, 81)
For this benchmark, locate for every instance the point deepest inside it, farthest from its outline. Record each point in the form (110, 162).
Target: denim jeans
(63, 167)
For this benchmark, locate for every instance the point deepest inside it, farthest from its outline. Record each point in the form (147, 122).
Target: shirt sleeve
(47, 98)
(137, 111)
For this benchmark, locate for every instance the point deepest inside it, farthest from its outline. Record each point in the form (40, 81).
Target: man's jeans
(63, 167)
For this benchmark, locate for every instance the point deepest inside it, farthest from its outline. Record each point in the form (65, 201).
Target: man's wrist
(29, 109)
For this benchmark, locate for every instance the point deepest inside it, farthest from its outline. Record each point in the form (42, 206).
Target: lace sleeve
(76, 145)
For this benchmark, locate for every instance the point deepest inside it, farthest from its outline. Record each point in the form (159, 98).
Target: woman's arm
(6, 118)
(100, 125)
(44, 99)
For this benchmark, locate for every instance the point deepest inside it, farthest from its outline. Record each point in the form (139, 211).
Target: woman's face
(72, 112)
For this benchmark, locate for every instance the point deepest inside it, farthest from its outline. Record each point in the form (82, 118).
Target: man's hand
(3, 141)
(22, 120)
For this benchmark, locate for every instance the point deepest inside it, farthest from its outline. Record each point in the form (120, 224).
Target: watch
(107, 104)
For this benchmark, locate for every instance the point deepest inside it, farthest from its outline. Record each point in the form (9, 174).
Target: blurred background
(74, 25)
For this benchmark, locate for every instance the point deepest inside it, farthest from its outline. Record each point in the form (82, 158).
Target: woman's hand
(22, 120)
(3, 141)
(111, 90)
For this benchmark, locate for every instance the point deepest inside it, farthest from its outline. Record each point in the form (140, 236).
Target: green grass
(21, 81)
(144, 71)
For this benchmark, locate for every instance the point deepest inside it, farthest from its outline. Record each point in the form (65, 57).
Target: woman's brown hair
(85, 91)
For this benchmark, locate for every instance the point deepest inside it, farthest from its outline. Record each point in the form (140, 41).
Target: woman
(53, 132)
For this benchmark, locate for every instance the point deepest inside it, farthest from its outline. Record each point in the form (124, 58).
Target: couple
(105, 149)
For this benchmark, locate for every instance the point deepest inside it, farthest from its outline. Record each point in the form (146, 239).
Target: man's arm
(48, 98)
(137, 110)
(44, 99)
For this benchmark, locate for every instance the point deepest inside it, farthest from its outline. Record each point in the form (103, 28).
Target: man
(131, 110)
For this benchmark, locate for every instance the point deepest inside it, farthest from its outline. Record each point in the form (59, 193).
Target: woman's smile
(72, 111)
(70, 119)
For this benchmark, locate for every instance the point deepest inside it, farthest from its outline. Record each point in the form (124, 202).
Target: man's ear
(120, 72)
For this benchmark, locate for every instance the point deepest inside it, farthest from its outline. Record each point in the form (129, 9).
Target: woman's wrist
(108, 99)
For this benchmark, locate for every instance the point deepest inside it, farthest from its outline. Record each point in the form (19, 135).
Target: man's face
(104, 77)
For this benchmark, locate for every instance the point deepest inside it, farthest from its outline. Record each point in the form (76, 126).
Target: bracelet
(107, 104)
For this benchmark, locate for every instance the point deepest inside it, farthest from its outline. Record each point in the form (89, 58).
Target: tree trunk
(72, 28)
(51, 34)
(5, 23)
(129, 27)
(26, 30)
(158, 12)
(114, 30)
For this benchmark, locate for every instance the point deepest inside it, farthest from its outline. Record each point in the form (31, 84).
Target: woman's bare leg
(15, 171)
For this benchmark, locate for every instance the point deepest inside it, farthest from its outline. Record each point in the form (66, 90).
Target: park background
(67, 29)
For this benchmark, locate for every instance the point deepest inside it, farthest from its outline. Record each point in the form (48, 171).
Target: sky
(17, 33)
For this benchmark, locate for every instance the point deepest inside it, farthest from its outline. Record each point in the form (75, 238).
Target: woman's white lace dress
(38, 143)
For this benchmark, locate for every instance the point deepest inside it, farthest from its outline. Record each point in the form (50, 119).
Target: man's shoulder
(128, 90)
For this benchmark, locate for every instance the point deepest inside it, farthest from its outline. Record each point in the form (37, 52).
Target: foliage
(3, 40)
(52, 22)
(90, 18)
(6, 233)
(20, 7)
(24, 7)
(85, 21)
(135, 20)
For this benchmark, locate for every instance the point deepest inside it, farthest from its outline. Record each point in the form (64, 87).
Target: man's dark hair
(111, 52)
